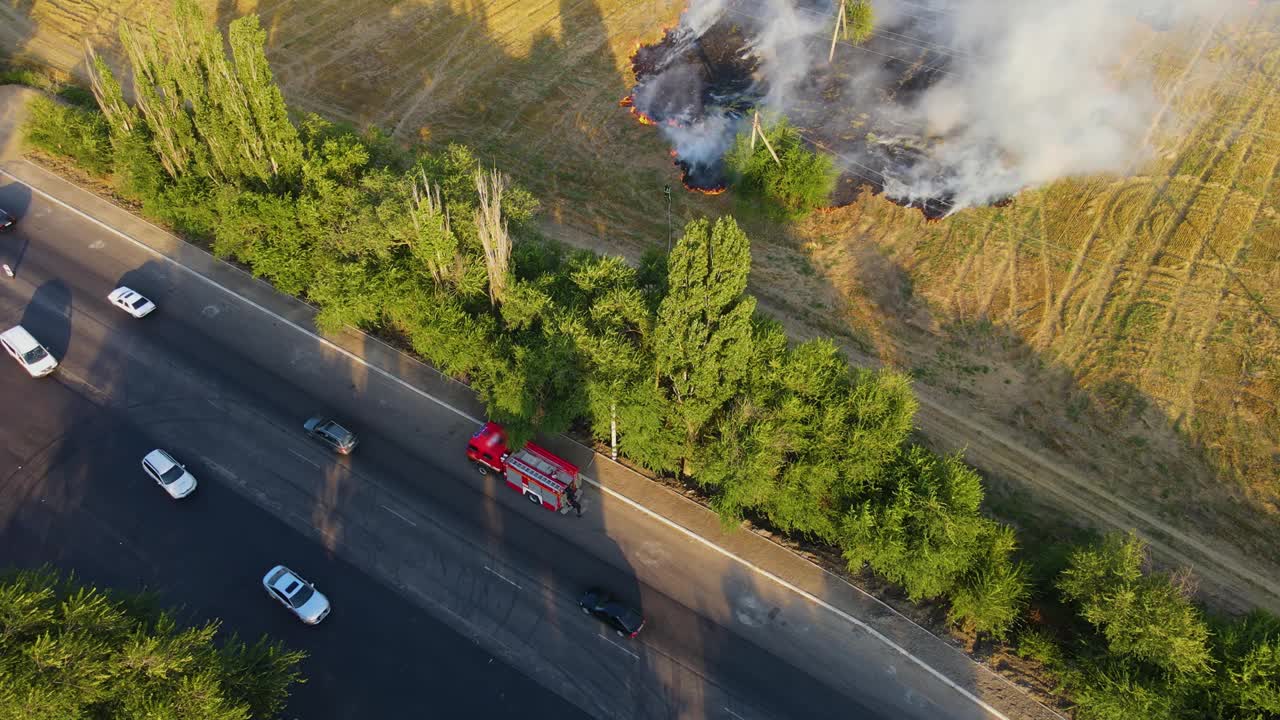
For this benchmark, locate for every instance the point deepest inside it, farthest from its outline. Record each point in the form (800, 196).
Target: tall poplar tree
(702, 337)
(223, 117)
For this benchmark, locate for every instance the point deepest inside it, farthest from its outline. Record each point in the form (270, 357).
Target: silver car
(169, 474)
(299, 596)
(131, 302)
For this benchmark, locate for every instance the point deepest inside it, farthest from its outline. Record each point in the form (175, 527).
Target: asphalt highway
(452, 596)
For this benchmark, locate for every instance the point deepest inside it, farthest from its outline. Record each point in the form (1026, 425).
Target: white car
(300, 596)
(169, 473)
(31, 355)
(131, 302)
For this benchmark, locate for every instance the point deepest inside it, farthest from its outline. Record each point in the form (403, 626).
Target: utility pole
(841, 23)
(666, 190)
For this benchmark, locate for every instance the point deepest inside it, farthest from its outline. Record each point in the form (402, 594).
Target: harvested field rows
(1152, 301)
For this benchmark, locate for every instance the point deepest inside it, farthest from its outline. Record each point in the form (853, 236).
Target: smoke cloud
(950, 103)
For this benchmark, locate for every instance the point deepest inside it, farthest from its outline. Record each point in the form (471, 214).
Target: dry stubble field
(1108, 347)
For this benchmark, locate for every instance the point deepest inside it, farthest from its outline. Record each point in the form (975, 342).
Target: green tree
(992, 594)
(1109, 689)
(221, 116)
(120, 116)
(159, 99)
(921, 527)
(1145, 616)
(275, 155)
(860, 20)
(607, 315)
(843, 426)
(1248, 664)
(799, 181)
(69, 651)
(79, 134)
(702, 337)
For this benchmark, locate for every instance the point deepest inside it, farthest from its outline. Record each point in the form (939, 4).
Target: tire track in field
(1099, 299)
(1045, 265)
(973, 251)
(1160, 348)
(1056, 315)
(1145, 265)
(1005, 277)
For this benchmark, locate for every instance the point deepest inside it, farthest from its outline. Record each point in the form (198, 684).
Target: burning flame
(706, 191)
(630, 103)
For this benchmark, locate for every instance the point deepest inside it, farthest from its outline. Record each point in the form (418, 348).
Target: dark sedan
(606, 608)
(329, 432)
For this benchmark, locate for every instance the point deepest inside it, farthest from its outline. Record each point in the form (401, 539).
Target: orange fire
(630, 103)
(707, 191)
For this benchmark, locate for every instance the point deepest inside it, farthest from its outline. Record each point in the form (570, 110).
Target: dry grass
(1155, 296)
(1130, 326)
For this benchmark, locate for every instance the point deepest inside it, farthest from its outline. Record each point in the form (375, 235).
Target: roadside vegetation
(69, 650)
(669, 359)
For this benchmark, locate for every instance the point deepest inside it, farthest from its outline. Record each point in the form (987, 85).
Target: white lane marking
(808, 596)
(461, 413)
(606, 639)
(504, 577)
(213, 283)
(393, 512)
(304, 458)
(733, 713)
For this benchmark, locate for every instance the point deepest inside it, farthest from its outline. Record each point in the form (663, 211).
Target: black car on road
(606, 608)
(329, 432)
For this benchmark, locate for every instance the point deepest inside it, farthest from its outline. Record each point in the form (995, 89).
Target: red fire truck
(534, 471)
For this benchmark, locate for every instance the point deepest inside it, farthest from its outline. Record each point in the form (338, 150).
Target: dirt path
(1224, 575)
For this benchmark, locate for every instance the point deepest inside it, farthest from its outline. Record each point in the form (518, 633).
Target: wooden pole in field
(840, 22)
(755, 128)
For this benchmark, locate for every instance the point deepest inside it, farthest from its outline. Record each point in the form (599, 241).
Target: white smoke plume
(1007, 94)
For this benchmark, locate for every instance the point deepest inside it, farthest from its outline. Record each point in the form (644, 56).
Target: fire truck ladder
(540, 469)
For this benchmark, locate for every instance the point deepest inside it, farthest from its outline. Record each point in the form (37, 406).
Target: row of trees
(668, 362)
(72, 651)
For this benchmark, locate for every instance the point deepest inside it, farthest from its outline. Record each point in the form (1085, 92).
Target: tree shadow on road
(48, 317)
(15, 198)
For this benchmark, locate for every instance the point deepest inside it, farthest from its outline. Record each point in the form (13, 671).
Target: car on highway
(30, 354)
(299, 596)
(131, 302)
(605, 607)
(7, 221)
(169, 474)
(329, 432)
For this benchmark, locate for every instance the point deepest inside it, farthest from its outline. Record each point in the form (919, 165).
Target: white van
(29, 353)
